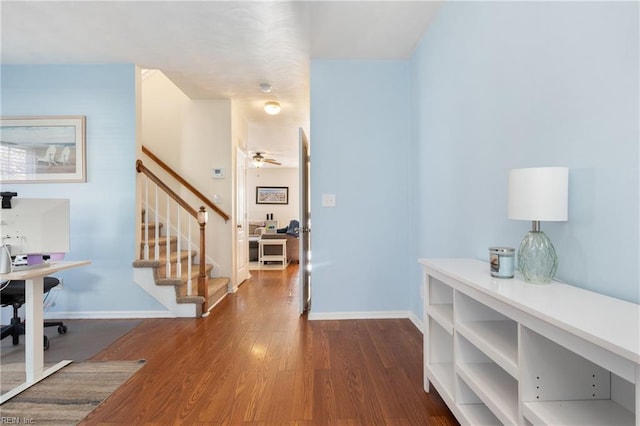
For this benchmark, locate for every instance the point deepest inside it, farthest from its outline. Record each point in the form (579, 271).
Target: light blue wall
(102, 209)
(360, 153)
(416, 152)
(501, 85)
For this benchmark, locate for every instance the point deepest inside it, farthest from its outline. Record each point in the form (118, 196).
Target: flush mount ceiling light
(272, 107)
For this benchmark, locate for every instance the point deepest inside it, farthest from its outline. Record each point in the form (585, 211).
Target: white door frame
(240, 221)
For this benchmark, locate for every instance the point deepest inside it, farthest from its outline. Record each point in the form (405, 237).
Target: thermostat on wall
(217, 173)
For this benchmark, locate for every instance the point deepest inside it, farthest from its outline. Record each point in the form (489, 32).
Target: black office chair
(14, 295)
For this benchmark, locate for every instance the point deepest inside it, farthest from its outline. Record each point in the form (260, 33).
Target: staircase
(163, 269)
(172, 290)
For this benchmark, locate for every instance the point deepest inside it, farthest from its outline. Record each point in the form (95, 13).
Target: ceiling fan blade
(272, 161)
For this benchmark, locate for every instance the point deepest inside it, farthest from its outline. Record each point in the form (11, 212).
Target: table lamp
(538, 194)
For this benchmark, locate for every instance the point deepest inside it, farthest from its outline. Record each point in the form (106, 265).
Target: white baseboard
(109, 315)
(217, 302)
(315, 316)
(417, 322)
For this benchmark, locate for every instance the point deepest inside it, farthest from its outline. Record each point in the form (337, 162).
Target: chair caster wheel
(62, 329)
(46, 343)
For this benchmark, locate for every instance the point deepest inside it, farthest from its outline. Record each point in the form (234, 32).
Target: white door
(305, 225)
(242, 245)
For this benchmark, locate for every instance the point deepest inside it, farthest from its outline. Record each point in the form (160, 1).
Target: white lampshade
(539, 194)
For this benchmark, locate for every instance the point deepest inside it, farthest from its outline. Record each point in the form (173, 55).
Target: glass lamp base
(537, 259)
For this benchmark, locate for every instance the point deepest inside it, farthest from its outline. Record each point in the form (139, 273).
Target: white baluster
(168, 235)
(179, 247)
(146, 220)
(157, 233)
(189, 282)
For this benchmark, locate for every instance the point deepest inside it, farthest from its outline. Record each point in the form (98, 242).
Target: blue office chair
(14, 295)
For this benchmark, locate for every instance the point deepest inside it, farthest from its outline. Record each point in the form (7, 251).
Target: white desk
(34, 328)
(272, 257)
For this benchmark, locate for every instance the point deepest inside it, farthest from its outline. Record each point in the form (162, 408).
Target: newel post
(202, 276)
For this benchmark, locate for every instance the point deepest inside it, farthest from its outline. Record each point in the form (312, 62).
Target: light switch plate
(328, 200)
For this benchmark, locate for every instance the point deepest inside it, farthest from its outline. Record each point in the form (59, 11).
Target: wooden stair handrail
(180, 179)
(140, 168)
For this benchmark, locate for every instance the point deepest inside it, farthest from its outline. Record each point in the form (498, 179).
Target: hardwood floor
(254, 361)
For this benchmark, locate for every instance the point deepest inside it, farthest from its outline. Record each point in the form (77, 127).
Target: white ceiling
(218, 49)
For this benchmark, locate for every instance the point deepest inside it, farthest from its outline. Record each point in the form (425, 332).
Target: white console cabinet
(503, 351)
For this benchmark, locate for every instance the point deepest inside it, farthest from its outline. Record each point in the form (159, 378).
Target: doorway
(294, 179)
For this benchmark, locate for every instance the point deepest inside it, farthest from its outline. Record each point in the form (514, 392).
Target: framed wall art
(272, 195)
(42, 149)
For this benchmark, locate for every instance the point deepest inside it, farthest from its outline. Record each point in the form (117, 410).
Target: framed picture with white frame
(42, 149)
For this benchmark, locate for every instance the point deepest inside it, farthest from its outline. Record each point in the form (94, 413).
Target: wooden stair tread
(218, 283)
(162, 240)
(152, 225)
(184, 276)
(215, 287)
(162, 260)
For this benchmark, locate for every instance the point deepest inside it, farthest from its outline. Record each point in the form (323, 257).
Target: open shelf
(490, 382)
(495, 387)
(562, 387)
(552, 373)
(439, 366)
(478, 414)
(578, 413)
(497, 339)
(443, 314)
(441, 375)
(438, 292)
(490, 331)
(439, 303)
(473, 410)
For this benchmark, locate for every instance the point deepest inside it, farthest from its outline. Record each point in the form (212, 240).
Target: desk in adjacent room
(34, 328)
(272, 257)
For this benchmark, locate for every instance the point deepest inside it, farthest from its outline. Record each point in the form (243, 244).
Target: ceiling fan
(259, 160)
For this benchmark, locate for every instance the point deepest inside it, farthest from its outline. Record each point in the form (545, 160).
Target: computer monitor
(35, 226)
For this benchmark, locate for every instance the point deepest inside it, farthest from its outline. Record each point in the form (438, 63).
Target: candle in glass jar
(501, 261)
